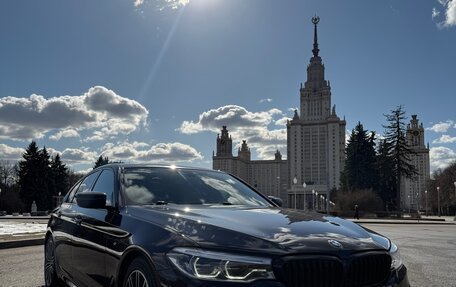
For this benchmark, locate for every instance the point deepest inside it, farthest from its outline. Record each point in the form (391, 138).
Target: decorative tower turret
(244, 151)
(224, 143)
(316, 93)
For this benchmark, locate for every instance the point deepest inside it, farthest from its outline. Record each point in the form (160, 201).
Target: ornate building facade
(315, 146)
(412, 189)
(267, 176)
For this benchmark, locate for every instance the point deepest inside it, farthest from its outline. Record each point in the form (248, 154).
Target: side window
(105, 184)
(70, 194)
(86, 183)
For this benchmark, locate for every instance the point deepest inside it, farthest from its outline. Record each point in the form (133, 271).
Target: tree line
(38, 177)
(375, 167)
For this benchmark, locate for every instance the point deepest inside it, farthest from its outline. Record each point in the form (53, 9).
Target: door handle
(78, 220)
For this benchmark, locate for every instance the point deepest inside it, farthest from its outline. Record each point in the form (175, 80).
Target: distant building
(412, 189)
(315, 146)
(267, 176)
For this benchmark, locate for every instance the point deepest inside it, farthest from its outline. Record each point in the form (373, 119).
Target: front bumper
(171, 278)
(398, 278)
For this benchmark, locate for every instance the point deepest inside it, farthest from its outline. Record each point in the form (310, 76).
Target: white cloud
(68, 133)
(10, 153)
(78, 156)
(440, 157)
(243, 125)
(441, 127)
(282, 121)
(265, 101)
(230, 115)
(435, 13)
(450, 13)
(445, 139)
(99, 111)
(143, 152)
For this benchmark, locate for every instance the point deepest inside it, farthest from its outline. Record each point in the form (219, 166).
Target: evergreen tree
(101, 161)
(397, 149)
(34, 173)
(60, 176)
(360, 170)
(386, 186)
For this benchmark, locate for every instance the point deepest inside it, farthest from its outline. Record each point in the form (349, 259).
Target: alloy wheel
(136, 279)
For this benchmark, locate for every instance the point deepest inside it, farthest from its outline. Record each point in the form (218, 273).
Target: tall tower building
(412, 189)
(315, 137)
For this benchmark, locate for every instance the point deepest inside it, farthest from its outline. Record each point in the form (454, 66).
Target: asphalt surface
(429, 252)
(22, 267)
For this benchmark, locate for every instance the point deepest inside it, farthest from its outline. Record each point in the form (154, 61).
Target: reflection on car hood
(279, 230)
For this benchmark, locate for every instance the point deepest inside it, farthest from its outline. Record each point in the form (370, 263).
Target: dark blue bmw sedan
(166, 226)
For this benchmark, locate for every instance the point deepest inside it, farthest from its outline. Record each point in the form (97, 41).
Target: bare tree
(7, 172)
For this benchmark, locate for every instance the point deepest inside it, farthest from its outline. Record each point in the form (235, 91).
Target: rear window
(162, 185)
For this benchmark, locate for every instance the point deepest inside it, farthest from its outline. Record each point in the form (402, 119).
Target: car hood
(281, 230)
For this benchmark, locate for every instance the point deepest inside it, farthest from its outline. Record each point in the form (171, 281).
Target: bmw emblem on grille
(334, 243)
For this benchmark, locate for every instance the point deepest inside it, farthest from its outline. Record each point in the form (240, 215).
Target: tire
(50, 271)
(139, 274)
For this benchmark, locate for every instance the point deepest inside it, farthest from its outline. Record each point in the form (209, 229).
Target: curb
(21, 243)
(404, 222)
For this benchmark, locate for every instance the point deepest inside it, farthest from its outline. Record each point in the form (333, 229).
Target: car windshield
(163, 185)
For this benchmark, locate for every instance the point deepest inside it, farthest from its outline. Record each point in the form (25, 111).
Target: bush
(367, 200)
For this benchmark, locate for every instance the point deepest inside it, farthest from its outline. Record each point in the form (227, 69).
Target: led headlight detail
(220, 266)
(396, 260)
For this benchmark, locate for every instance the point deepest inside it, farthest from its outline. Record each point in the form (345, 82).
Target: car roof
(148, 165)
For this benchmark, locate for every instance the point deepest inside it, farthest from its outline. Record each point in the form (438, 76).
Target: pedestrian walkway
(446, 220)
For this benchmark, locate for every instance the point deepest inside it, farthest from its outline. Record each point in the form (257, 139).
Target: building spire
(315, 21)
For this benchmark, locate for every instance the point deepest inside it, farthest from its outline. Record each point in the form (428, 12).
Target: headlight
(396, 260)
(220, 266)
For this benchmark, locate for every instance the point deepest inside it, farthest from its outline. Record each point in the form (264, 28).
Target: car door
(89, 251)
(62, 225)
(76, 214)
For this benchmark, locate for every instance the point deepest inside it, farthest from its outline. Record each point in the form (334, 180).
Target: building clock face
(416, 133)
(222, 141)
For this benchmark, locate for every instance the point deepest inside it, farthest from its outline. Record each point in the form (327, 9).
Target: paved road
(22, 267)
(429, 251)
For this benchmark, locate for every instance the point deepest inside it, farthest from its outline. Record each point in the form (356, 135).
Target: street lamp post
(313, 198)
(304, 195)
(410, 203)
(425, 194)
(316, 199)
(418, 202)
(295, 181)
(438, 200)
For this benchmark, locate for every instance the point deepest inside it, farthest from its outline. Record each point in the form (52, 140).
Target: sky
(155, 80)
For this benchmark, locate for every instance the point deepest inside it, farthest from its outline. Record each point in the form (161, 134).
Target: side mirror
(91, 199)
(278, 201)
